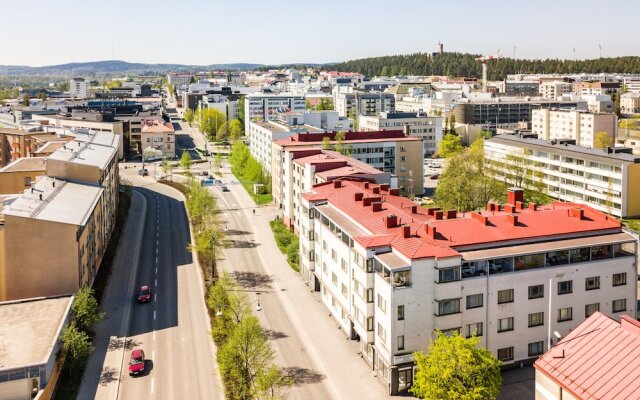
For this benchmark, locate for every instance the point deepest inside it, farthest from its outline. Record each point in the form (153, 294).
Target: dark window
(565, 287)
(589, 309)
(505, 354)
(579, 255)
(446, 307)
(619, 279)
(565, 314)
(505, 296)
(449, 274)
(619, 305)
(536, 291)
(557, 257)
(474, 301)
(536, 348)
(400, 313)
(505, 324)
(529, 261)
(592, 283)
(601, 252)
(536, 319)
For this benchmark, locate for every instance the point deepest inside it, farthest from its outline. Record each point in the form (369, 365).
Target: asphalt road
(173, 327)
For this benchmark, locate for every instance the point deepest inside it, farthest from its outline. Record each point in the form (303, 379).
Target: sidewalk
(101, 379)
(346, 373)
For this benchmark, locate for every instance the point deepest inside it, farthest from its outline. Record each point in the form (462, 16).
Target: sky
(201, 32)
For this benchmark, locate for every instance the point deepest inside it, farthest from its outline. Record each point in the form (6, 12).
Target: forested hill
(458, 64)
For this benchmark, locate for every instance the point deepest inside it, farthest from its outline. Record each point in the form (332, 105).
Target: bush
(287, 242)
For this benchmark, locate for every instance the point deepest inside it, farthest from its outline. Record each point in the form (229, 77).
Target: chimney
(366, 185)
(376, 190)
(394, 192)
(366, 201)
(451, 214)
(384, 187)
(577, 213)
(490, 206)
(406, 231)
(513, 218)
(432, 210)
(431, 231)
(519, 205)
(391, 221)
(438, 215)
(40, 196)
(533, 207)
(358, 196)
(479, 217)
(337, 184)
(377, 206)
(510, 208)
(515, 194)
(414, 209)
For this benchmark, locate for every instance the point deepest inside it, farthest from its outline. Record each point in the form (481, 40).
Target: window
(619, 305)
(565, 314)
(370, 324)
(536, 291)
(592, 283)
(324, 245)
(601, 252)
(401, 278)
(579, 255)
(344, 290)
(334, 279)
(369, 295)
(529, 261)
(381, 333)
(334, 255)
(451, 306)
(451, 331)
(505, 296)
(474, 301)
(505, 324)
(400, 343)
(619, 279)
(565, 287)
(536, 348)
(382, 304)
(589, 309)
(505, 354)
(536, 319)
(449, 274)
(343, 265)
(27, 181)
(400, 313)
(474, 329)
(557, 258)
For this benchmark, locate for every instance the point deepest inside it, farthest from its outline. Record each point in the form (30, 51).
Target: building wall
(17, 181)
(633, 190)
(427, 128)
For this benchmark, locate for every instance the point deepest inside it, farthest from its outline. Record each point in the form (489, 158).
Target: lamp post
(235, 313)
(213, 258)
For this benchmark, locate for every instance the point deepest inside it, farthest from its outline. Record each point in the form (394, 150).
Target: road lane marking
(156, 270)
(152, 385)
(154, 315)
(154, 335)
(155, 297)
(156, 259)
(156, 282)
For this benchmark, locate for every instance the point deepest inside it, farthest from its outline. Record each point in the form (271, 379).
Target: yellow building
(21, 173)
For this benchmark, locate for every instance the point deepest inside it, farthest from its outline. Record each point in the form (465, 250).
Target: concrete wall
(70, 170)
(14, 182)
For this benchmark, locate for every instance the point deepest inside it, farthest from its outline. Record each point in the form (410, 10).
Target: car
(204, 173)
(225, 188)
(143, 172)
(161, 175)
(144, 294)
(136, 362)
(434, 177)
(217, 182)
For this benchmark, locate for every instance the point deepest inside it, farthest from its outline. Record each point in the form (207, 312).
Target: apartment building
(363, 103)
(70, 212)
(630, 103)
(503, 110)
(266, 106)
(388, 151)
(21, 173)
(17, 143)
(595, 360)
(393, 273)
(417, 124)
(78, 88)
(157, 139)
(554, 89)
(580, 126)
(222, 103)
(307, 166)
(611, 89)
(176, 79)
(607, 181)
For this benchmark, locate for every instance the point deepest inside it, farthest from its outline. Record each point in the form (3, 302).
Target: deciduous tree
(189, 116)
(602, 140)
(450, 145)
(76, 345)
(235, 129)
(185, 161)
(86, 310)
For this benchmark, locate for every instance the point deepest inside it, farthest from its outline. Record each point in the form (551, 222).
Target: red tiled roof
(600, 359)
(307, 139)
(463, 230)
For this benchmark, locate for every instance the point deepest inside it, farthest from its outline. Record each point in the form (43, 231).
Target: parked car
(225, 188)
(136, 362)
(143, 172)
(144, 294)
(436, 176)
(204, 173)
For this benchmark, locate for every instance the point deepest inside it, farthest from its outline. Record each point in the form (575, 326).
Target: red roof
(461, 230)
(307, 139)
(600, 359)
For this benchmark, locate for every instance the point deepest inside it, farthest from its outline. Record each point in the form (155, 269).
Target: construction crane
(484, 60)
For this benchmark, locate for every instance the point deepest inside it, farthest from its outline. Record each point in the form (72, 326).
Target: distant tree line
(459, 64)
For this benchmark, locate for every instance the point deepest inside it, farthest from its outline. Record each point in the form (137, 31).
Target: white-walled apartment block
(265, 107)
(553, 90)
(393, 273)
(606, 181)
(417, 124)
(363, 103)
(570, 124)
(630, 103)
(78, 88)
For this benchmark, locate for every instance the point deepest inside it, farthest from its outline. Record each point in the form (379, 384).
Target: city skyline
(220, 33)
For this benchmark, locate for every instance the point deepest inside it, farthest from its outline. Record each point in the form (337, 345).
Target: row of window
(533, 349)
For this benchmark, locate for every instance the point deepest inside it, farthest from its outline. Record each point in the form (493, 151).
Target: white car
(161, 175)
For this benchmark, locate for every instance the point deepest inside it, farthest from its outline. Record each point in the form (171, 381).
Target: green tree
(272, 384)
(185, 162)
(211, 120)
(166, 166)
(245, 358)
(86, 309)
(223, 132)
(217, 161)
(188, 116)
(602, 140)
(339, 138)
(26, 100)
(450, 145)
(456, 368)
(326, 143)
(76, 345)
(241, 116)
(452, 123)
(235, 129)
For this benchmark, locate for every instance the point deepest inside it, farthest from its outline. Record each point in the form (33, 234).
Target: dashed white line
(156, 259)
(154, 335)
(156, 282)
(152, 385)
(154, 315)
(156, 270)
(155, 297)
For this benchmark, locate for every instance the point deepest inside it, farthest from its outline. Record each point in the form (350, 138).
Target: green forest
(459, 64)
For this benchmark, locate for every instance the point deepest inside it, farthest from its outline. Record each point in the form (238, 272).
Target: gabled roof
(600, 359)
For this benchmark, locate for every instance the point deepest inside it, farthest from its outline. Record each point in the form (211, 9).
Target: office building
(503, 110)
(351, 104)
(392, 273)
(551, 90)
(580, 126)
(78, 88)
(266, 106)
(630, 103)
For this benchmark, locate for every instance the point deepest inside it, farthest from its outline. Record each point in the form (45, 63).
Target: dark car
(143, 172)
(144, 294)
(204, 173)
(225, 189)
(136, 362)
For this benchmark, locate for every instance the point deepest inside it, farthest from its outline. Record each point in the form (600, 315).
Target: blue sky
(46, 32)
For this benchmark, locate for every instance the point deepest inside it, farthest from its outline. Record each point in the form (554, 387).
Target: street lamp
(235, 313)
(214, 242)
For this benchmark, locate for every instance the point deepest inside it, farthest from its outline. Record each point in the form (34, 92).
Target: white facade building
(348, 104)
(553, 90)
(78, 88)
(265, 107)
(630, 103)
(576, 125)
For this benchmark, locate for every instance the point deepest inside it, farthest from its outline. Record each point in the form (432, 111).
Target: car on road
(225, 188)
(204, 173)
(144, 294)
(143, 172)
(217, 182)
(435, 176)
(136, 362)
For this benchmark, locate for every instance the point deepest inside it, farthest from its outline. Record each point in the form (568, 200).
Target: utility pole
(600, 49)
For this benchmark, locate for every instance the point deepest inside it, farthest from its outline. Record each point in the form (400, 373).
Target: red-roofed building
(392, 272)
(600, 359)
(157, 139)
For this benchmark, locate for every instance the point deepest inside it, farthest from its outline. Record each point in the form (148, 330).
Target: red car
(136, 362)
(144, 295)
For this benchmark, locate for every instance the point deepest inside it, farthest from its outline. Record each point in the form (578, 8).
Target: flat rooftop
(96, 148)
(26, 164)
(62, 201)
(30, 329)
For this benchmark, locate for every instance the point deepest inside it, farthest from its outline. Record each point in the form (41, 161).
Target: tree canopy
(450, 145)
(235, 129)
(455, 368)
(210, 122)
(86, 309)
(602, 140)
